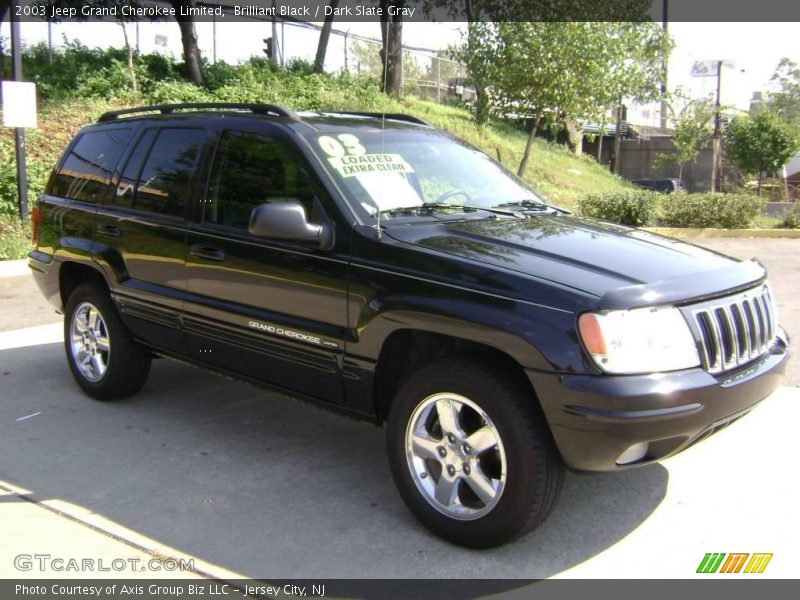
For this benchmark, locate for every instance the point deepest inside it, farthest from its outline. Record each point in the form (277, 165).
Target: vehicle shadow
(265, 486)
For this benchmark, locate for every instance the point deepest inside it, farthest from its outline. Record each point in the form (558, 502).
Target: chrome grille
(734, 330)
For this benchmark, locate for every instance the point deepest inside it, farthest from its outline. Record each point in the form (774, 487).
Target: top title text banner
(410, 11)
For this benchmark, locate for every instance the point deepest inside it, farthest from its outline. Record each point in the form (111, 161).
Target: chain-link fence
(427, 73)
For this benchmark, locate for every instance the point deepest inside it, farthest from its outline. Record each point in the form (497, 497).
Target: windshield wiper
(532, 205)
(430, 207)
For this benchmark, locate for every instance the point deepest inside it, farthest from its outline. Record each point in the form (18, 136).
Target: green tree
(759, 144)
(693, 130)
(477, 11)
(324, 36)
(191, 52)
(186, 23)
(785, 100)
(367, 59)
(368, 62)
(574, 70)
(442, 68)
(635, 53)
(392, 50)
(121, 21)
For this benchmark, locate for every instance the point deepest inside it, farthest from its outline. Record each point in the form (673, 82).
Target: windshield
(409, 173)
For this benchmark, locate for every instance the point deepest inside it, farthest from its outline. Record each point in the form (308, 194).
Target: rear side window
(159, 172)
(85, 172)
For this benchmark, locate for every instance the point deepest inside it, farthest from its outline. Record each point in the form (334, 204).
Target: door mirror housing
(285, 219)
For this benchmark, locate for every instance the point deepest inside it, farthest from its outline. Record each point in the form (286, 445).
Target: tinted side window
(86, 171)
(162, 184)
(130, 174)
(251, 169)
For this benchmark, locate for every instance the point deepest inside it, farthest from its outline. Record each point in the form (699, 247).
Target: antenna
(383, 112)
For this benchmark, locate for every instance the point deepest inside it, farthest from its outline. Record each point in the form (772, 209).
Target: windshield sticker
(352, 165)
(344, 143)
(389, 191)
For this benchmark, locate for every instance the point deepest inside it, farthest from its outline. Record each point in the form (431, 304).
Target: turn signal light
(591, 334)
(36, 219)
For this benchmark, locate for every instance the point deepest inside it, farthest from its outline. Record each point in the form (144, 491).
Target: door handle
(207, 252)
(107, 229)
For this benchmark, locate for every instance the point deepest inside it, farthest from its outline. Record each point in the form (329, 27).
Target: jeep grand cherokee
(377, 266)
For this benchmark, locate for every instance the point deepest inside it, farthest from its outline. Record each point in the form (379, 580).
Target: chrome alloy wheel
(455, 456)
(90, 344)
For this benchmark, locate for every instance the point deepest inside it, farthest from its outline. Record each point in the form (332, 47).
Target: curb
(692, 232)
(14, 268)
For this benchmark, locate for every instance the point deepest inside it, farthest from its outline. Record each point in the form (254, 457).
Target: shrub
(791, 219)
(727, 211)
(37, 171)
(15, 240)
(299, 65)
(219, 74)
(636, 207)
(167, 92)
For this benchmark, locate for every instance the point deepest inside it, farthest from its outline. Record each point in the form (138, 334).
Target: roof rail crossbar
(166, 109)
(379, 115)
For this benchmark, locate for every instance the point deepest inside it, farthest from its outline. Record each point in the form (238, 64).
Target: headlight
(643, 340)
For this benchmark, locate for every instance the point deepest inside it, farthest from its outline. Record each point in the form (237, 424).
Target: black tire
(127, 363)
(533, 468)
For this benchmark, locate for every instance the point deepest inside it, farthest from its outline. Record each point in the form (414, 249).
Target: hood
(585, 254)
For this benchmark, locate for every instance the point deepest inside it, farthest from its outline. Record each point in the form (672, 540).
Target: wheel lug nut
(423, 475)
(466, 449)
(467, 469)
(451, 470)
(442, 451)
(451, 438)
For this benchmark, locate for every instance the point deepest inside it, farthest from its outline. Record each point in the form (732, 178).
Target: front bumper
(595, 419)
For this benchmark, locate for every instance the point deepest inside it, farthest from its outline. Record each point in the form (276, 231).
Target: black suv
(380, 267)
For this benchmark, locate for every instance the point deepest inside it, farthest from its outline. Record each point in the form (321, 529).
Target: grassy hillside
(81, 84)
(559, 175)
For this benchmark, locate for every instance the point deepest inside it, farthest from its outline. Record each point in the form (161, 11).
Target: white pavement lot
(247, 482)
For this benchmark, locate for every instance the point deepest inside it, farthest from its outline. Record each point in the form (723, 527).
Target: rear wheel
(104, 358)
(471, 454)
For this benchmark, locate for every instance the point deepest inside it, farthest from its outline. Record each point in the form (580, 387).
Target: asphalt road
(252, 483)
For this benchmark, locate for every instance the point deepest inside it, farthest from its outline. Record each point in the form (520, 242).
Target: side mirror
(285, 219)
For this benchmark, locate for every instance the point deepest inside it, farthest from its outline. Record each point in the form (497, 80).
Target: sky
(754, 49)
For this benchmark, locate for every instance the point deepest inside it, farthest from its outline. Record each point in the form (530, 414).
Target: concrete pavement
(245, 481)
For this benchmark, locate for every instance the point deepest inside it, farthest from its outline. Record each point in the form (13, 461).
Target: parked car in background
(667, 186)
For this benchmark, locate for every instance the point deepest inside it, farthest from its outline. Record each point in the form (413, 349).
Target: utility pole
(19, 132)
(716, 144)
(615, 160)
(214, 38)
(346, 65)
(274, 57)
(49, 42)
(664, 65)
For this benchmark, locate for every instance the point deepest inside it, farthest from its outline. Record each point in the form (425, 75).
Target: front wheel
(471, 454)
(104, 358)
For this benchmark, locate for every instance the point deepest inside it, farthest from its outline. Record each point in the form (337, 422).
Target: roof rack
(166, 109)
(378, 115)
